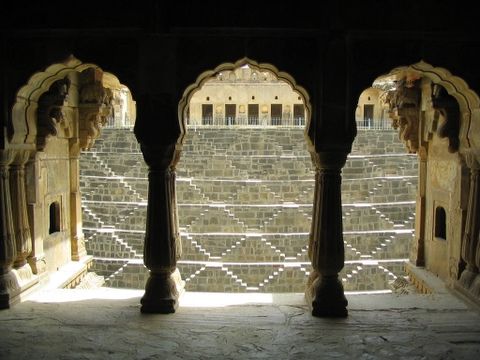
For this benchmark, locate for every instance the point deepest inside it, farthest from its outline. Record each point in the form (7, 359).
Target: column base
(15, 285)
(475, 287)
(467, 277)
(9, 290)
(162, 293)
(326, 297)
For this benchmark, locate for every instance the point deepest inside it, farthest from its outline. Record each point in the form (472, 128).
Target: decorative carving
(92, 90)
(404, 111)
(447, 107)
(50, 111)
(91, 119)
(95, 106)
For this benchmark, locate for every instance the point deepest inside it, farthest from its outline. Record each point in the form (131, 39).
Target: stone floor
(107, 324)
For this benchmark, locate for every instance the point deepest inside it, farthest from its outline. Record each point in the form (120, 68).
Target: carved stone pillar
(326, 249)
(162, 246)
(417, 252)
(19, 209)
(9, 287)
(76, 233)
(472, 226)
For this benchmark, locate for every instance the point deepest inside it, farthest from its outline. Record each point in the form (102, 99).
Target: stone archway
(241, 229)
(205, 76)
(437, 116)
(162, 245)
(59, 112)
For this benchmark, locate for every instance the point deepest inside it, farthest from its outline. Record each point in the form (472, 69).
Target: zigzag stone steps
(244, 199)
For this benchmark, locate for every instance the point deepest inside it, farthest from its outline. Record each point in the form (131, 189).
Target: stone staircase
(245, 207)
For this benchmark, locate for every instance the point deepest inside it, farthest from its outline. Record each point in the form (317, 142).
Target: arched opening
(245, 181)
(440, 223)
(58, 113)
(434, 114)
(379, 182)
(54, 217)
(114, 186)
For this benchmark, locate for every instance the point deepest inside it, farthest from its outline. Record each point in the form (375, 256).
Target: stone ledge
(424, 281)
(69, 275)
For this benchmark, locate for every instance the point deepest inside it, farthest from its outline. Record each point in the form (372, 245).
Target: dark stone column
(162, 239)
(326, 249)
(471, 239)
(9, 287)
(76, 231)
(19, 209)
(417, 251)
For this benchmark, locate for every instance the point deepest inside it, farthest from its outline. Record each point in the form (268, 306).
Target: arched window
(440, 223)
(54, 218)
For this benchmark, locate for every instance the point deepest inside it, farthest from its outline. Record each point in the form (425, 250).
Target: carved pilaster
(9, 287)
(19, 209)
(417, 250)
(76, 232)
(162, 246)
(472, 226)
(326, 248)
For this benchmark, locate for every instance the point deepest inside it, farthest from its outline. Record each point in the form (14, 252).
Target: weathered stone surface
(106, 323)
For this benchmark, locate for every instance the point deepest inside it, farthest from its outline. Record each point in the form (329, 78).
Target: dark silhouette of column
(162, 239)
(326, 249)
(8, 250)
(19, 209)
(76, 233)
(417, 252)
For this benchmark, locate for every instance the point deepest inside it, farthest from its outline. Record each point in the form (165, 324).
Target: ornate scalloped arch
(23, 125)
(468, 100)
(206, 75)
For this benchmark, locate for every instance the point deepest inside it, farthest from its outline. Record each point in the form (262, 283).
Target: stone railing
(374, 124)
(263, 121)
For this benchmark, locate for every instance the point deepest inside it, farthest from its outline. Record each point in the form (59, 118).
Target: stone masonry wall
(245, 205)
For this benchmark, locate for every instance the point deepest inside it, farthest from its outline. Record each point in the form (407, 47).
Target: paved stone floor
(107, 324)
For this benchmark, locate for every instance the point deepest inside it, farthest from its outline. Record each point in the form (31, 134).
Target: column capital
(161, 156)
(329, 159)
